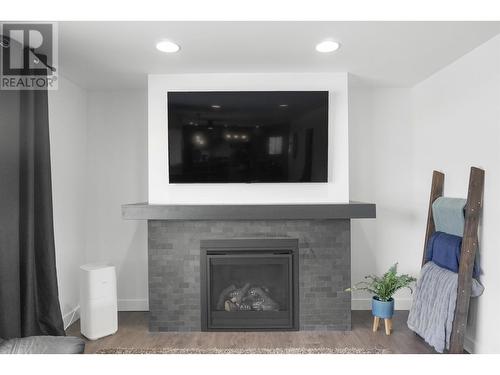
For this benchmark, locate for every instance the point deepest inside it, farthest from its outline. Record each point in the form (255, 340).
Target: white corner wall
(117, 174)
(336, 190)
(99, 162)
(68, 149)
(380, 148)
(448, 122)
(456, 115)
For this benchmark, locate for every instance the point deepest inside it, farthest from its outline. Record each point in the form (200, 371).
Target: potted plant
(383, 289)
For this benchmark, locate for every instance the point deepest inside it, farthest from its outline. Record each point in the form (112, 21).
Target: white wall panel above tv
(334, 191)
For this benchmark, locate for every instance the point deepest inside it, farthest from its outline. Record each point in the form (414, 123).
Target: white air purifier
(98, 304)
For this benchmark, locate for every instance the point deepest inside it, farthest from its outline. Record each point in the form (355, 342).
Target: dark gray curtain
(29, 303)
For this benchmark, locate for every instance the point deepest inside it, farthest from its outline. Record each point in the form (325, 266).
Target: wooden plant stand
(387, 322)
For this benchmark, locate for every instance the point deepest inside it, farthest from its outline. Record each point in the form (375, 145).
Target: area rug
(346, 350)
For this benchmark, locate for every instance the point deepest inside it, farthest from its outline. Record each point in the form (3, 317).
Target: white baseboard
(133, 305)
(470, 345)
(366, 304)
(123, 305)
(72, 316)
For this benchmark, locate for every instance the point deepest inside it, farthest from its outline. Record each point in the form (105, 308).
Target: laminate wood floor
(133, 333)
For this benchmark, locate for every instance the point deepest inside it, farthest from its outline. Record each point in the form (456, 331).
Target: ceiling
(120, 54)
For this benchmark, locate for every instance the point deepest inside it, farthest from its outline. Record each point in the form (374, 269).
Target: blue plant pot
(383, 309)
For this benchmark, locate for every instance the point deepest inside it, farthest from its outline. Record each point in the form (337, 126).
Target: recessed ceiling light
(215, 106)
(167, 46)
(283, 105)
(327, 46)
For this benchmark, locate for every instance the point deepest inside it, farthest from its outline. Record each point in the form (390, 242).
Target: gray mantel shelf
(351, 210)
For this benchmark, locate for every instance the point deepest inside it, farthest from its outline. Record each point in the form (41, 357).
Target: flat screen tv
(248, 136)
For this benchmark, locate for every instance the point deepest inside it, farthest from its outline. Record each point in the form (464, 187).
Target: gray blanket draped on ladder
(29, 303)
(433, 309)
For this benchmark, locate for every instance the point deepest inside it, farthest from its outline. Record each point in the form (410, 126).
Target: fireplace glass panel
(250, 283)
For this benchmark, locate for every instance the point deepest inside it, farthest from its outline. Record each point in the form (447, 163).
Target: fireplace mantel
(351, 210)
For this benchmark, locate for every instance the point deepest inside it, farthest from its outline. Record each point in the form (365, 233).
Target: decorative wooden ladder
(467, 251)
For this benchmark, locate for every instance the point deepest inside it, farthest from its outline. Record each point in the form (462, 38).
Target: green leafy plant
(384, 287)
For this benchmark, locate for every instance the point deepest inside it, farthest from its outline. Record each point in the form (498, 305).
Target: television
(248, 136)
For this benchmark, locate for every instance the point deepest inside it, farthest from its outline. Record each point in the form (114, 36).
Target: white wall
(456, 126)
(68, 143)
(336, 190)
(381, 172)
(99, 162)
(117, 174)
(449, 122)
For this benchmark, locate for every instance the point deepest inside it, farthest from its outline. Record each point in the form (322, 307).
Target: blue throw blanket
(444, 250)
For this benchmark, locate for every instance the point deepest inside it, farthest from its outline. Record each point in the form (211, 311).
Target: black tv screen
(248, 136)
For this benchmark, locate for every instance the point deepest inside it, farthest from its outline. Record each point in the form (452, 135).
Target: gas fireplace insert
(249, 284)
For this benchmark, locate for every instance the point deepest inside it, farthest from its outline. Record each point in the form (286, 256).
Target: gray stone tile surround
(174, 268)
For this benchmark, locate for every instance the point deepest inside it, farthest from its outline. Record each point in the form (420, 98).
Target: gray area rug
(346, 350)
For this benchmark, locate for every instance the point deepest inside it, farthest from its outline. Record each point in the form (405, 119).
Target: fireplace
(321, 260)
(249, 284)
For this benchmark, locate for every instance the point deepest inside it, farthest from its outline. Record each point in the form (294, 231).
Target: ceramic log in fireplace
(249, 284)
